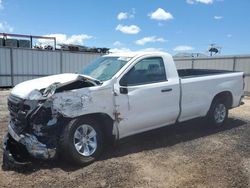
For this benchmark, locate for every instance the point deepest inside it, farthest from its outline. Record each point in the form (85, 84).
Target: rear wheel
(81, 141)
(218, 113)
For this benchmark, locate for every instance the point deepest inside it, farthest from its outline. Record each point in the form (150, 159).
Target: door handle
(166, 90)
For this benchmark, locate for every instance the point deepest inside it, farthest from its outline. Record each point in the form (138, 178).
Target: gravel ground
(190, 154)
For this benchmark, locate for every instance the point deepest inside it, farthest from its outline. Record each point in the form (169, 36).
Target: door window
(149, 70)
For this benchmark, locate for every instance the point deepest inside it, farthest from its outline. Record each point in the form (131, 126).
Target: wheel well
(226, 97)
(106, 124)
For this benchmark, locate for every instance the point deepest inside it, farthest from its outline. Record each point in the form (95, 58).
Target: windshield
(104, 68)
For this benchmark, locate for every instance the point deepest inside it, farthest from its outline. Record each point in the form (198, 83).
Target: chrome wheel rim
(85, 140)
(220, 113)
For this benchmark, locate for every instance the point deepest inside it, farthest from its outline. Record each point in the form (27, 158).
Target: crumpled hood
(23, 89)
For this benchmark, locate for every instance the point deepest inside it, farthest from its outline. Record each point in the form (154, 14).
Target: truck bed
(189, 73)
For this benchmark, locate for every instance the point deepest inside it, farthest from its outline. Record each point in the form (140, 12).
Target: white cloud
(77, 39)
(117, 43)
(218, 17)
(200, 1)
(1, 4)
(183, 48)
(122, 16)
(126, 15)
(151, 49)
(5, 27)
(160, 14)
(117, 50)
(128, 29)
(151, 39)
(64, 39)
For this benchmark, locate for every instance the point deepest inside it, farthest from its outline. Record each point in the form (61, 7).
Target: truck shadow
(159, 138)
(169, 136)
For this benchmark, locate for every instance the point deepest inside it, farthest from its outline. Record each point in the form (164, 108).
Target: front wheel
(218, 113)
(81, 141)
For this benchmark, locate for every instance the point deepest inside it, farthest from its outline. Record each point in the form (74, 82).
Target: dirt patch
(190, 154)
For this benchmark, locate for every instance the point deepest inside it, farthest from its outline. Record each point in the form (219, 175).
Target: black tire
(67, 147)
(212, 118)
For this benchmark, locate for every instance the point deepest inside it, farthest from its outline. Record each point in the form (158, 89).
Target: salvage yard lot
(191, 154)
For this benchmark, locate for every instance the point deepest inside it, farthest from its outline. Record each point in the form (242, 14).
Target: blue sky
(170, 25)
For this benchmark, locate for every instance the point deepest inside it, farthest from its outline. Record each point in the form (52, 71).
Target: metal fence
(17, 65)
(234, 63)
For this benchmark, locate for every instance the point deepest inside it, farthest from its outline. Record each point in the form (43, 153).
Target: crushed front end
(38, 118)
(33, 131)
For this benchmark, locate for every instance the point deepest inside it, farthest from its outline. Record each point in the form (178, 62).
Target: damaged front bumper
(20, 149)
(33, 146)
(15, 155)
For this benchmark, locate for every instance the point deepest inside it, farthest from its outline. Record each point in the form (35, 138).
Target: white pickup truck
(118, 95)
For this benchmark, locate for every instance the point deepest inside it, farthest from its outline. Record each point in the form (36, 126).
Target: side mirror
(124, 81)
(124, 84)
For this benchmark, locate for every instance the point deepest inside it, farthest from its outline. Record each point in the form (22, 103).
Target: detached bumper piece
(15, 155)
(20, 150)
(36, 149)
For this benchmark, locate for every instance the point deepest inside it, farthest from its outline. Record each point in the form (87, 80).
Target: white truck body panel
(198, 93)
(145, 107)
(84, 101)
(23, 89)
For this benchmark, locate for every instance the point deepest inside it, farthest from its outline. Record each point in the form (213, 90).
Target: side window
(149, 70)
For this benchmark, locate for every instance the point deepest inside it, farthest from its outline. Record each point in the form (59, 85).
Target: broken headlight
(36, 95)
(50, 90)
(44, 93)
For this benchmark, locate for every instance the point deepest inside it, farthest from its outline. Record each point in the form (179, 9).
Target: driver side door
(145, 99)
